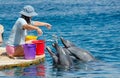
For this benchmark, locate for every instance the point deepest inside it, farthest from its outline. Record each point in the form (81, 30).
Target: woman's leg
(19, 51)
(14, 51)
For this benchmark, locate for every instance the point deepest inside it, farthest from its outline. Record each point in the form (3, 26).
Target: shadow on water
(78, 66)
(47, 70)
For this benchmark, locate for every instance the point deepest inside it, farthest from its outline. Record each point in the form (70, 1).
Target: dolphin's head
(55, 45)
(53, 55)
(66, 43)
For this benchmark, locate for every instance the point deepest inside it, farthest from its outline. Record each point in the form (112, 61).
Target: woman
(1, 34)
(19, 31)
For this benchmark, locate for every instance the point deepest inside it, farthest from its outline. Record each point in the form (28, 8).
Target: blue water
(93, 25)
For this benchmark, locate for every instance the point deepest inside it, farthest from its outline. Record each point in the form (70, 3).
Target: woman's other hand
(48, 25)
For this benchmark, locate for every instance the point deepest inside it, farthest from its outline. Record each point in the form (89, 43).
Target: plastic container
(30, 37)
(29, 51)
(40, 46)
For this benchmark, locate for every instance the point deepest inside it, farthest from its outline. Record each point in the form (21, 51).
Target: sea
(92, 25)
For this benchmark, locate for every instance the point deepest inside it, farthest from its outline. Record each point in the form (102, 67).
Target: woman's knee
(10, 50)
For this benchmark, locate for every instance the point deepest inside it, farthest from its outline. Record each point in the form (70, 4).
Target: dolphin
(79, 53)
(53, 55)
(64, 58)
(70, 54)
(61, 59)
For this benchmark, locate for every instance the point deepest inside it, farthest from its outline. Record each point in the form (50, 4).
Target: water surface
(91, 25)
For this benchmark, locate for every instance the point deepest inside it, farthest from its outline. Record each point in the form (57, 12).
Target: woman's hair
(26, 18)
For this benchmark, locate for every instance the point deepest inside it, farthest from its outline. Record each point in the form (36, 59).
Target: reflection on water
(41, 70)
(38, 70)
(80, 69)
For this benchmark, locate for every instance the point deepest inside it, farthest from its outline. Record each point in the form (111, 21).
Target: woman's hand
(48, 25)
(37, 23)
(39, 31)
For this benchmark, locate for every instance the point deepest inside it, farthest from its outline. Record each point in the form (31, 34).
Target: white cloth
(17, 36)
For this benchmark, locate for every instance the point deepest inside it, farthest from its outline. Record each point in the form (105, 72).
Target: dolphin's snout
(61, 38)
(53, 44)
(48, 48)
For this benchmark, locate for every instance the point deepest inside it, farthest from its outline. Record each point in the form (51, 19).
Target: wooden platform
(6, 62)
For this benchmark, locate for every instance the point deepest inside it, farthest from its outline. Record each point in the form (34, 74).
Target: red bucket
(40, 46)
